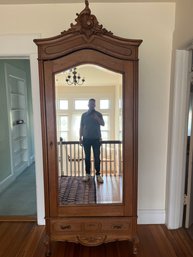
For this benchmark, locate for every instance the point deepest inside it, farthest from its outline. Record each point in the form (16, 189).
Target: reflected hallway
(20, 197)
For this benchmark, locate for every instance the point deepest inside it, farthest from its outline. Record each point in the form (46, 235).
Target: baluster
(93, 169)
(110, 161)
(114, 147)
(121, 159)
(106, 159)
(102, 159)
(91, 163)
(61, 157)
(120, 170)
(78, 159)
(70, 159)
(74, 160)
(66, 146)
(110, 151)
(83, 157)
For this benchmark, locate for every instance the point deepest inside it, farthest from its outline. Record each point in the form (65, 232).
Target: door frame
(188, 219)
(177, 141)
(17, 47)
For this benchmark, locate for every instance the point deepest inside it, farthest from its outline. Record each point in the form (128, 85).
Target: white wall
(152, 22)
(183, 34)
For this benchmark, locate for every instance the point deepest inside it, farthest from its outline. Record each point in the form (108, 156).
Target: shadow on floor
(190, 231)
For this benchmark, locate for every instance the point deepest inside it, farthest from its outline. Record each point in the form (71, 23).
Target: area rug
(72, 190)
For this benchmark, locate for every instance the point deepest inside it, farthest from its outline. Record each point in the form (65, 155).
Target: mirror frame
(88, 42)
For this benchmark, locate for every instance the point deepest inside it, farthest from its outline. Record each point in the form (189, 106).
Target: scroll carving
(135, 245)
(47, 246)
(89, 240)
(87, 24)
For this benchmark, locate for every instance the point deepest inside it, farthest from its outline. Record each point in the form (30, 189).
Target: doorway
(188, 194)
(17, 176)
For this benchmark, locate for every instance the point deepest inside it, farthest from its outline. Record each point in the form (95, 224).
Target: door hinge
(185, 199)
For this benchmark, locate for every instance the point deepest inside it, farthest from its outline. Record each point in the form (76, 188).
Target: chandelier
(73, 78)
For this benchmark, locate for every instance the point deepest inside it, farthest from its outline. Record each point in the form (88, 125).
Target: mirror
(73, 89)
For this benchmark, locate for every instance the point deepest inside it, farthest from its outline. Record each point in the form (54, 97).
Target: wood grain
(25, 239)
(88, 43)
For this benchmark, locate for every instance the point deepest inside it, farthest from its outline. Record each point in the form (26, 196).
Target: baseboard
(151, 216)
(144, 217)
(41, 221)
(6, 182)
(20, 218)
(31, 159)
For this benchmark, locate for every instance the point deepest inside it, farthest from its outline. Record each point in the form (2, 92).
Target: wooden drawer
(65, 226)
(116, 226)
(91, 226)
(106, 225)
(95, 225)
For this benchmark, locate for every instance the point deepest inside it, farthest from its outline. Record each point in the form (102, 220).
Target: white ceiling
(75, 1)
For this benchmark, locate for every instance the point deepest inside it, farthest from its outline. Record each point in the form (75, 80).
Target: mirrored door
(88, 102)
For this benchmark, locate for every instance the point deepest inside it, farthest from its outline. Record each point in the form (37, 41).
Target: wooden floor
(190, 231)
(110, 191)
(72, 190)
(25, 239)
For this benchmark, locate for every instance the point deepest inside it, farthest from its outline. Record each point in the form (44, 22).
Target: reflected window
(63, 127)
(63, 104)
(64, 135)
(75, 126)
(105, 135)
(106, 120)
(120, 104)
(81, 104)
(105, 129)
(104, 104)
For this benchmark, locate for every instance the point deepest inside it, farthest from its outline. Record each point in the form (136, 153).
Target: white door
(15, 80)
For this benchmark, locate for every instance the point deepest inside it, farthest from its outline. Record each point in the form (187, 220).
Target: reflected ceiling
(94, 76)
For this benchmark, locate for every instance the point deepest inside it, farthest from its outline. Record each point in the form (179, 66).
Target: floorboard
(190, 231)
(110, 191)
(26, 239)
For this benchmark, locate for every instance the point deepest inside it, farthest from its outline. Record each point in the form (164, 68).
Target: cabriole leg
(135, 242)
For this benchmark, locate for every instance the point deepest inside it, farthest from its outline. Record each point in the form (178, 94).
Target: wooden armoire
(88, 43)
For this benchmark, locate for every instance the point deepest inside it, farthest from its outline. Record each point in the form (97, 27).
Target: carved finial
(87, 3)
(87, 24)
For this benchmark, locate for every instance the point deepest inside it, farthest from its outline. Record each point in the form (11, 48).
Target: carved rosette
(87, 24)
(91, 240)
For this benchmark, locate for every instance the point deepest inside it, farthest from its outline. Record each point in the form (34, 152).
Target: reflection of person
(90, 136)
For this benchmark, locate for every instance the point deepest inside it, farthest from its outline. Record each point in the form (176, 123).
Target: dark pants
(95, 143)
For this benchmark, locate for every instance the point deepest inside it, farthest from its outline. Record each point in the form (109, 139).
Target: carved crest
(87, 24)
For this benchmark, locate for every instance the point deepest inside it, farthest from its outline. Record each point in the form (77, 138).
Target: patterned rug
(72, 190)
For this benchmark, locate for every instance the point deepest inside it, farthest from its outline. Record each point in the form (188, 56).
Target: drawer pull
(117, 226)
(65, 227)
